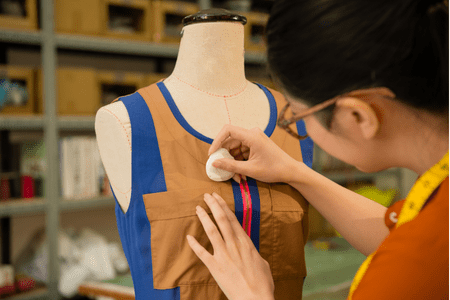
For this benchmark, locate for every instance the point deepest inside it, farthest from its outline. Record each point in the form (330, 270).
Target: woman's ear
(364, 115)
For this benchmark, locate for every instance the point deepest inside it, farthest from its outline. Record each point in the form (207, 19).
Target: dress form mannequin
(208, 86)
(154, 146)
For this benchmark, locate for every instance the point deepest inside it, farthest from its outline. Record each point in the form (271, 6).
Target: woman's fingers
(221, 220)
(201, 252)
(237, 228)
(235, 166)
(229, 131)
(210, 229)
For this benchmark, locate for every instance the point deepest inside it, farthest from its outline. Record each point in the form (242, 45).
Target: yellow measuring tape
(416, 199)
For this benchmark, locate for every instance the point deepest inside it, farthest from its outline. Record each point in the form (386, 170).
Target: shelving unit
(51, 125)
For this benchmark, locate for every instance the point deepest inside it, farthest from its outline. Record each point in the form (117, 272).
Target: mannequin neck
(211, 58)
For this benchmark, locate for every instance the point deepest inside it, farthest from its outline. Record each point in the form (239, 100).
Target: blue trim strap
(256, 211)
(177, 114)
(256, 208)
(307, 145)
(147, 177)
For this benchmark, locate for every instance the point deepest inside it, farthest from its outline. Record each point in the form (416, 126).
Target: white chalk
(215, 173)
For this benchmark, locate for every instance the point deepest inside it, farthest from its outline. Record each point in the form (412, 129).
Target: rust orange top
(413, 261)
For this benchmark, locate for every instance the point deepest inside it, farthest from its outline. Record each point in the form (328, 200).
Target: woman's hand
(256, 155)
(236, 265)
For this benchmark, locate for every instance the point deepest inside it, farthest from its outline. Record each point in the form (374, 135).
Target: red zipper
(245, 193)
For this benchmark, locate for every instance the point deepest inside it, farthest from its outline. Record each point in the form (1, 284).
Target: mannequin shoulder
(113, 118)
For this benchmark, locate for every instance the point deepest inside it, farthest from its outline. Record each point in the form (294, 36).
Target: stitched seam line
(228, 111)
(211, 94)
(168, 130)
(128, 138)
(129, 144)
(114, 186)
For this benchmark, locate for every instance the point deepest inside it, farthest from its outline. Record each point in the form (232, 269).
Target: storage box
(128, 19)
(115, 84)
(84, 91)
(167, 17)
(78, 16)
(19, 15)
(20, 90)
(77, 92)
(254, 31)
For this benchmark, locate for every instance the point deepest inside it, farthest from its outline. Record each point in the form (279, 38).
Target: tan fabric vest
(283, 212)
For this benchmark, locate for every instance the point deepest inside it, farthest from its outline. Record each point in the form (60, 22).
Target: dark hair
(318, 49)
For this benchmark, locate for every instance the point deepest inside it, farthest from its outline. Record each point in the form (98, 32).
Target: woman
(370, 80)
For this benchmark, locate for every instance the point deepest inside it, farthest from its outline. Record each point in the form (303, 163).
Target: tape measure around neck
(416, 199)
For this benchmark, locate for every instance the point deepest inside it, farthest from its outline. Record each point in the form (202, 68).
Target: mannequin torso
(209, 88)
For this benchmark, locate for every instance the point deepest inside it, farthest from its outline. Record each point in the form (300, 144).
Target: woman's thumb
(230, 165)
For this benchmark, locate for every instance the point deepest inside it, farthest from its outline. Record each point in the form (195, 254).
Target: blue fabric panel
(307, 145)
(273, 111)
(238, 204)
(147, 177)
(256, 211)
(176, 112)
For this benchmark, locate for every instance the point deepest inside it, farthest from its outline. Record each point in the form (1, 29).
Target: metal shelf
(109, 45)
(76, 123)
(21, 37)
(81, 204)
(21, 122)
(18, 207)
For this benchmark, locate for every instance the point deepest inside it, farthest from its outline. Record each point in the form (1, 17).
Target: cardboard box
(115, 84)
(77, 92)
(167, 19)
(127, 19)
(22, 81)
(84, 91)
(254, 31)
(13, 20)
(78, 16)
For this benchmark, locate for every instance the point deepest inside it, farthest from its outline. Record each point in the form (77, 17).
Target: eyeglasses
(285, 123)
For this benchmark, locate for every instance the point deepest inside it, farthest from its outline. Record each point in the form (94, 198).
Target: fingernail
(207, 198)
(189, 238)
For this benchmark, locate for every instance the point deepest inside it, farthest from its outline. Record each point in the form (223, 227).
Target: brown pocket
(172, 216)
(290, 232)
